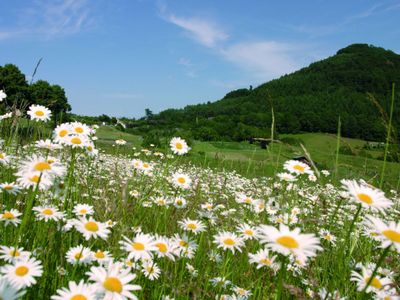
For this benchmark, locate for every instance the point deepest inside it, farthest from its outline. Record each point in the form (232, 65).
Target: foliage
(309, 100)
(20, 94)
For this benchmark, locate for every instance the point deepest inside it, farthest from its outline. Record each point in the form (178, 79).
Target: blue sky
(119, 57)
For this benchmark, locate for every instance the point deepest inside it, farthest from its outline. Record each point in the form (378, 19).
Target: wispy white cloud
(49, 19)
(205, 32)
(341, 25)
(190, 68)
(263, 59)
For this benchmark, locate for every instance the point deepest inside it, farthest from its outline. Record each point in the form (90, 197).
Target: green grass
(250, 160)
(131, 198)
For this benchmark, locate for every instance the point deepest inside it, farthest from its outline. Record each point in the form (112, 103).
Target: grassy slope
(250, 160)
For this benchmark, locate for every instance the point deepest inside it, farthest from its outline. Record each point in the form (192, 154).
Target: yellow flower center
(8, 187)
(92, 226)
(248, 232)
(47, 211)
(179, 202)
(299, 168)
(63, 133)
(145, 165)
(179, 146)
(265, 261)
(15, 253)
(192, 226)
(79, 129)
(365, 198)
(100, 254)
(138, 246)
(90, 148)
(150, 269)
(229, 242)
(83, 211)
(181, 180)
(78, 255)
(182, 243)
(375, 282)
(42, 166)
(34, 178)
(76, 140)
(78, 297)
(39, 113)
(392, 235)
(2, 156)
(247, 201)
(8, 215)
(288, 242)
(113, 284)
(162, 247)
(21, 271)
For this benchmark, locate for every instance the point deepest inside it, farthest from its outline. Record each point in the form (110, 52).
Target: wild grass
(140, 200)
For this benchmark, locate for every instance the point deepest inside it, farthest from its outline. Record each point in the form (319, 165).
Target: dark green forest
(21, 94)
(355, 84)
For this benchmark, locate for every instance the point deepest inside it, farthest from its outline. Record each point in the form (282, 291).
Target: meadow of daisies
(80, 224)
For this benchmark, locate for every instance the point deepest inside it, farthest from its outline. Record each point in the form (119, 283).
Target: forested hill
(309, 100)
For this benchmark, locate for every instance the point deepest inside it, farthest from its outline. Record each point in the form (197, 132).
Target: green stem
(337, 147)
(387, 138)
(282, 275)
(380, 261)
(352, 227)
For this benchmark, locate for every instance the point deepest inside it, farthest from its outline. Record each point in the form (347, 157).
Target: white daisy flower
(387, 234)
(140, 247)
(80, 291)
(4, 158)
(12, 254)
(151, 270)
(8, 292)
(377, 283)
(297, 167)
(247, 232)
(367, 196)
(287, 242)
(83, 210)
(47, 213)
(22, 273)
(3, 95)
(10, 188)
(192, 226)
(228, 241)
(10, 217)
(39, 113)
(102, 257)
(113, 282)
(263, 259)
(181, 180)
(79, 255)
(179, 146)
(92, 228)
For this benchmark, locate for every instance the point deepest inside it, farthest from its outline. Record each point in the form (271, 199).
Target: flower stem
(282, 275)
(352, 227)
(380, 261)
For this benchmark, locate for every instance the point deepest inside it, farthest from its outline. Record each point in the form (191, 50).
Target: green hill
(355, 83)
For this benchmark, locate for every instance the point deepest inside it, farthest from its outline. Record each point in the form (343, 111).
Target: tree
(51, 96)
(148, 113)
(13, 82)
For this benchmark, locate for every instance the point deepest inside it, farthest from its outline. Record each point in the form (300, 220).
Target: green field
(250, 160)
